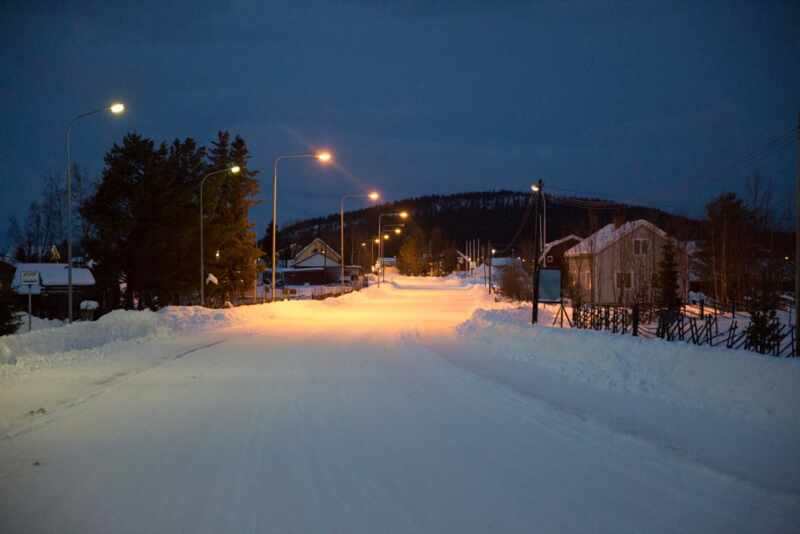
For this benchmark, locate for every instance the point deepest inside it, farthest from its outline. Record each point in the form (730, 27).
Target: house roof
(315, 247)
(557, 242)
(51, 274)
(608, 235)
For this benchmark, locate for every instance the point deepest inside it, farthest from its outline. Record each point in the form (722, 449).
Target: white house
(618, 264)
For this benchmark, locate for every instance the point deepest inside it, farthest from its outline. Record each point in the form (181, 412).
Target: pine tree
(668, 286)
(410, 258)
(231, 233)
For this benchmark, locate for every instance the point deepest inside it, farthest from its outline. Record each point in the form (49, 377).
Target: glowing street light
(402, 215)
(372, 195)
(115, 108)
(535, 188)
(235, 169)
(323, 157)
(397, 231)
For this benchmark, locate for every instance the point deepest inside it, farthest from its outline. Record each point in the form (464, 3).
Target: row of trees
(743, 258)
(143, 222)
(430, 254)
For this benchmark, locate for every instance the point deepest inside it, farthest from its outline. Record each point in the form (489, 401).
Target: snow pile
(117, 326)
(192, 318)
(37, 323)
(730, 381)
(733, 411)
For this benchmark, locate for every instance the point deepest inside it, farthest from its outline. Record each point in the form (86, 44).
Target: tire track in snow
(105, 385)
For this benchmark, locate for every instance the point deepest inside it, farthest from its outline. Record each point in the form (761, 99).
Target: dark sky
(665, 104)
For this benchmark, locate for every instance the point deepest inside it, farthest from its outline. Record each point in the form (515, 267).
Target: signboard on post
(30, 278)
(550, 286)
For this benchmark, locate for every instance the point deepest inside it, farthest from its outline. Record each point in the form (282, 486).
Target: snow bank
(740, 382)
(37, 323)
(735, 412)
(119, 325)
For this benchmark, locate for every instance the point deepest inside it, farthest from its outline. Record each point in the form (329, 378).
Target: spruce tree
(230, 231)
(410, 258)
(668, 277)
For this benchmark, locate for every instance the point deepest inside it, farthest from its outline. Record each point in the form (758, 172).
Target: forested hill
(502, 217)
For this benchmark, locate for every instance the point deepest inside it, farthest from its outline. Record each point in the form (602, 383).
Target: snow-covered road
(339, 427)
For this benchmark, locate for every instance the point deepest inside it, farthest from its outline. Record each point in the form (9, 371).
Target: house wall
(554, 259)
(579, 278)
(603, 266)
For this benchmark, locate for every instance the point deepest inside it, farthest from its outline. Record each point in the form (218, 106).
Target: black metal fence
(760, 332)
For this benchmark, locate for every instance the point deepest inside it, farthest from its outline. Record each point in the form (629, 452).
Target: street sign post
(29, 278)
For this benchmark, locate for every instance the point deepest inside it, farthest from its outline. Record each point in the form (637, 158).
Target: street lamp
(323, 157)
(402, 215)
(115, 108)
(397, 231)
(235, 169)
(373, 195)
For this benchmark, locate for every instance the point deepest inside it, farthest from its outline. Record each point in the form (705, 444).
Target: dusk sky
(665, 104)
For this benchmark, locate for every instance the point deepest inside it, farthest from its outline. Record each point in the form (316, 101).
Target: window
(587, 277)
(624, 280)
(641, 247)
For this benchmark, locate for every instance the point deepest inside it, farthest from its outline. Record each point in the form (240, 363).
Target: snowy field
(419, 406)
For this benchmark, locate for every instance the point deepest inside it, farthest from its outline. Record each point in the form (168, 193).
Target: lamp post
(233, 170)
(322, 157)
(373, 195)
(538, 190)
(402, 215)
(116, 108)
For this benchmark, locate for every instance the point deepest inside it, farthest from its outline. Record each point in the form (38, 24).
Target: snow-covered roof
(313, 249)
(609, 234)
(51, 274)
(557, 242)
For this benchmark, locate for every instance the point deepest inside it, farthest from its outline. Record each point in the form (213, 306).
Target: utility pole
(797, 248)
(491, 266)
(536, 253)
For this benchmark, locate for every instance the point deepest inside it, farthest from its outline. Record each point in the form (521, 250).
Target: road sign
(30, 278)
(550, 285)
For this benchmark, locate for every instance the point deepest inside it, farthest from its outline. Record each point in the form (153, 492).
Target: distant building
(51, 290)
(315, 264)
(553, 252)
(316, 254)
(618, 264)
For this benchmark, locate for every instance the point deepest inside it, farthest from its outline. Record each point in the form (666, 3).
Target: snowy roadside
(56, 365)
(733, 411)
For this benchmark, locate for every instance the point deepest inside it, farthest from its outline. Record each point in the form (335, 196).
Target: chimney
(619, 219)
